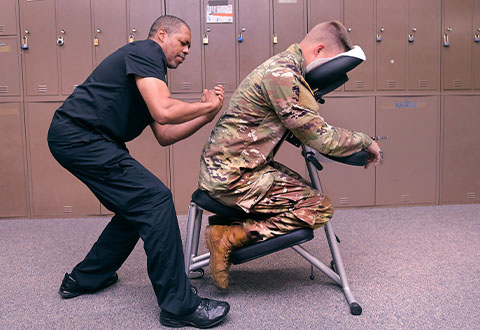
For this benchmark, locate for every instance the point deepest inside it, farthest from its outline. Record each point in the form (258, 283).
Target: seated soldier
(237, 166)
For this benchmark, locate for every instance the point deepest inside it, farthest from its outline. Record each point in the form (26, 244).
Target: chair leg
(355, 308)
(190, 249)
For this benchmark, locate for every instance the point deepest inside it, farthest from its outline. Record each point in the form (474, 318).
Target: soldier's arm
(296, 107)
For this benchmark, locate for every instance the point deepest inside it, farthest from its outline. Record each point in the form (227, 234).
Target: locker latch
(24, 44)
(376, 138)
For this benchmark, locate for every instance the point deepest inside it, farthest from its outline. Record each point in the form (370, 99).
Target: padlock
(446, 42)
(205, 39)
(476, 38)
(240, 38)
(131, 38)
(411, 38)
(379, 37)
(60, 41)
(275, 38)
(95, 41)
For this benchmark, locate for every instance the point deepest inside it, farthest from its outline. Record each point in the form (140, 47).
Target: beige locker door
(41, 67)
(8, 18)
(110, 27)
(220, 54)
(13, 187)
(360, 22)
(10, 79)
(54, 191)
(187, 78)
(460, 154)
(390, 40)
(476, 46)
(457, 33)
(289, 23)
(142, 14)
(253, 34)
(423, 48)
(408, 174)
(321, 11)
(185, 163)
(73, 28)
(347, 185)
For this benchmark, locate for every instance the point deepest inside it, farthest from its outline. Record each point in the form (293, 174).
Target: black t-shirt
(109, 101)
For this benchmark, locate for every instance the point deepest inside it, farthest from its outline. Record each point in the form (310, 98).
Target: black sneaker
(70, 287)
(208, 314)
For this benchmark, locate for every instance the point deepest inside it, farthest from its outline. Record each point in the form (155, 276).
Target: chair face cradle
(323, 78)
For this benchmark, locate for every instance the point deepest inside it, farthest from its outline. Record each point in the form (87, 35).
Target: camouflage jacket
(271, 99)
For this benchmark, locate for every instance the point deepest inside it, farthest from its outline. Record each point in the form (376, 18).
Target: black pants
(143, 208)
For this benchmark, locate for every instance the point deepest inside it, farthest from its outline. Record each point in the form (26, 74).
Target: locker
(460, 151)
(253, 34)
(390, 44)
(360, 22)
(289, 23)
(74, 42)
(423, 45)
(408, 174)
(457, 44)
(40, 59)
(476, 45)
(219, 48)
(13, 186)
(326, 10)
(54, 191)
(187, 78)
(10, 80)
(8, 18)
(142, 14)
(349, 185)
(185, 163)
(110, 27)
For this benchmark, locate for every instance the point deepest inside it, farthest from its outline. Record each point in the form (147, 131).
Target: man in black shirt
(123, 95)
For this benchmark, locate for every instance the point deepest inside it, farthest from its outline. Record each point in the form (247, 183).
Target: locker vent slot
(471, 196)
(405, 198)
(422, 83)
(218, 3)
(3, 89)
(391, 84)
(42, 88)
(344, 201)
(67, 209)
(2, 28)
(359, 84)
(186, 86)
(457, 83)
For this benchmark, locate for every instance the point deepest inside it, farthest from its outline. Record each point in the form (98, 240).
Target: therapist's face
(176, 46)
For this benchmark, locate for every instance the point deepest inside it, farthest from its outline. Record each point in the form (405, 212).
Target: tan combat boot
(221, 240)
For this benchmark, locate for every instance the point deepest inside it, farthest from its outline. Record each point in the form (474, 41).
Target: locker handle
(446, 41)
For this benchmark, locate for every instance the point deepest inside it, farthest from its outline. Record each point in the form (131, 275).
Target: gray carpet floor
(409, 268)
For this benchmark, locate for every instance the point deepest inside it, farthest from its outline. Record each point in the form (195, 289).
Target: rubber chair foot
(355, 308)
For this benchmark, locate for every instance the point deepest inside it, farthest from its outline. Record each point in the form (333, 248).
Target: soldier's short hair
(332, 32)
(171, 24)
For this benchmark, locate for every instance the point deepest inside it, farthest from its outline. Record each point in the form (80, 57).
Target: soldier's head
(174, 36)
(325, 40)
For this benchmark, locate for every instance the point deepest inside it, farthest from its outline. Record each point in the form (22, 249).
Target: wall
(420, 86)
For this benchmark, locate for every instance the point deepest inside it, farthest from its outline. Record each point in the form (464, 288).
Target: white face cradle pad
(356, 52)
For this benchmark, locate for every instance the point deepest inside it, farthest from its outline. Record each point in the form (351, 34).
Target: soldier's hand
(375, 154)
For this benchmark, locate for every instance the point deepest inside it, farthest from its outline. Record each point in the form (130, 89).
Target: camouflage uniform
(237, 166)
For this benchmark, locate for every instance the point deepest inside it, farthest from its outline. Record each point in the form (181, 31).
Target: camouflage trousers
(280, 201)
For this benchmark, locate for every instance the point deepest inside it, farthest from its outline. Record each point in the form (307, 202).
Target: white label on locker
(4, 48)
(220, 14)
(287, 1)
(406, 104)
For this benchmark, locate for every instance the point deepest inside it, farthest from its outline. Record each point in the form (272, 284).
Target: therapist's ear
(162, 35)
